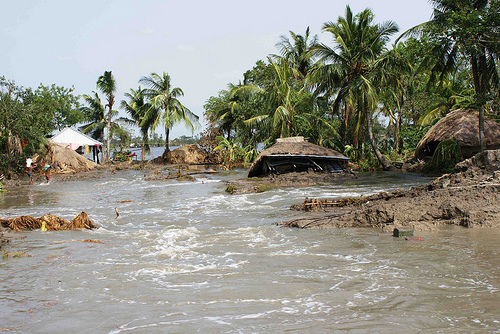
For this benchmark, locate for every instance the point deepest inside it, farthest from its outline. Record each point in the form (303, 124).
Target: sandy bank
(469, 197)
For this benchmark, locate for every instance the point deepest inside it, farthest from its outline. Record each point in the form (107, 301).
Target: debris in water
(414, 239)
(86, 240)
(314, 204)
(403, 231)
(49, 222)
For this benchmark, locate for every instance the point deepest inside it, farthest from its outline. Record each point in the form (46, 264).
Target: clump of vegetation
(445, 157)
(232, 153)
(122, 156)
(9, 255)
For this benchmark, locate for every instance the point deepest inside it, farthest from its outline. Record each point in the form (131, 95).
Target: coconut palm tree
(297, 51)
(166, 109)
(107, 85)
(94, 116)
(470, 29)
(347, 70)
(289, 107)
(137, 108)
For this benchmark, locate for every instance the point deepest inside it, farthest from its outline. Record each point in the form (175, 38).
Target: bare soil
(304, 179)
(469, 197)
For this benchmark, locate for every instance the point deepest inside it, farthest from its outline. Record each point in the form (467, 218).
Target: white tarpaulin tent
(74, 139)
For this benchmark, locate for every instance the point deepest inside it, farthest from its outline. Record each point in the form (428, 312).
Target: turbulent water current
(185, 257)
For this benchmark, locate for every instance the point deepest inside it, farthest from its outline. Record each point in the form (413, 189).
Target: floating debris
(49, 222)
(86, 240)
(403, 231)
(315, 204)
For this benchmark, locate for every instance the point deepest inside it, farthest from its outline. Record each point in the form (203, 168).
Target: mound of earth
(469, 197)
(189, 154)
(63, 160)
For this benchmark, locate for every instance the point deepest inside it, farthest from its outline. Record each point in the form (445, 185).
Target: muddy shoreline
(304, 179)
(469, 197)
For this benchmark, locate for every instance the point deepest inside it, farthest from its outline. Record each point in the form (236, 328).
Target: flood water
(186, 257)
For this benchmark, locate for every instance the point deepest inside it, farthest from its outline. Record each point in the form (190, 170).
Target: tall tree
(94, 114)
(137, 108)
(469, 28)
(107, 85)
(166, 109)
(347, 70)
(297, 52)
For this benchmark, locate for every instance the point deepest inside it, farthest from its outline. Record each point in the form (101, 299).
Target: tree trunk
(386, 165)
(167, 148)
(108, 138)
(479, 90)
(482, 139)
(143, 151)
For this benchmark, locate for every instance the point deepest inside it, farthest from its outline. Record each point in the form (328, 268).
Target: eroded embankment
(470, 197)
(304, 179)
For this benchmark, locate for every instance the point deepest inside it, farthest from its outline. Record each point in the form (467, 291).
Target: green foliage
(166, 109)
(24, 123)
(183, 140)
(59, 105)
(411, 135)
(232, 153)
(445, 157)
(121, 155)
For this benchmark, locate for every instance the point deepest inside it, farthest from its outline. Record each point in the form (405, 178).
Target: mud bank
(469, 197)
(305, 179)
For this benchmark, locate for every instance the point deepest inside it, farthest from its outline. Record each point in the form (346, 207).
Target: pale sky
(203, 45)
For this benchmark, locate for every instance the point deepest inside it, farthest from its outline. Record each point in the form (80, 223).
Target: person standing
(47, 173)
(30, 173)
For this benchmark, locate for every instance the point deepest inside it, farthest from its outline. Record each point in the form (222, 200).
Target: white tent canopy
(74, 139)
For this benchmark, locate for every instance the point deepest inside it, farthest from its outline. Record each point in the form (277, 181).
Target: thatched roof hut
(463, 126)
(294, 154)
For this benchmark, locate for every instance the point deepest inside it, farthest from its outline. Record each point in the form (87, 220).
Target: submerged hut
(294, 154)
(463, 126)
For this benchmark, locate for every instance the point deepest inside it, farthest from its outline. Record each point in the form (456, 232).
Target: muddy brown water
(186, 257)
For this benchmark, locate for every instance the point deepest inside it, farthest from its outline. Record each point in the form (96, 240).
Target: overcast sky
(203, 45)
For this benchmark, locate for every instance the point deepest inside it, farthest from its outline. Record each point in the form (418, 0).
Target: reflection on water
(187, 257)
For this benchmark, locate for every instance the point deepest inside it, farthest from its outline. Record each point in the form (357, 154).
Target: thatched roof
(463, 126)
(295, 146)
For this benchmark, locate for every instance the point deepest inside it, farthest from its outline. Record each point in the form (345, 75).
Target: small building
(294, 154)
(78, 142)
(463, 126)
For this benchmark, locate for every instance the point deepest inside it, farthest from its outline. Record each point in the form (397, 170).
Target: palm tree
(297, 51)
(137, 108)
(467, 28)
(165, 106)
(107, 85)
(289, 105)
(283, 100)
(94, 116)
(347, 71)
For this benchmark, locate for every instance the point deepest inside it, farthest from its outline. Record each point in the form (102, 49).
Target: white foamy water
(186, 257)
